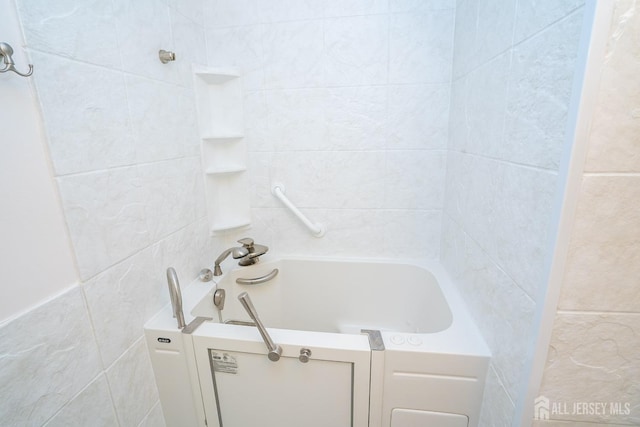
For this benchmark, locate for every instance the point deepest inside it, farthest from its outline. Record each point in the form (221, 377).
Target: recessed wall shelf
(224, 153)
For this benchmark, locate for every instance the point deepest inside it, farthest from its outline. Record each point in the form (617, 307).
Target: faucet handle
(247, 242)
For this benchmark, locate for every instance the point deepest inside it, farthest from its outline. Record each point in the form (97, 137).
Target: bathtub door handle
(257, 280)
(275, 351)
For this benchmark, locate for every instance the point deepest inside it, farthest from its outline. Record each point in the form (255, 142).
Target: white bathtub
(430, 373)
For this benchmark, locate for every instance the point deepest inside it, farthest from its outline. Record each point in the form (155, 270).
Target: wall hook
(6, 51)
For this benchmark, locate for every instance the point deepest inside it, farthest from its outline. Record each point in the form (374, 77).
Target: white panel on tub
(413, 418)
(288, 393)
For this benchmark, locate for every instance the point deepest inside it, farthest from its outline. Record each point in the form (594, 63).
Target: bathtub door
(241, 387)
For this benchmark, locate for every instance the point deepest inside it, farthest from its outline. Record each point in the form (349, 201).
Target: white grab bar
(317, 230)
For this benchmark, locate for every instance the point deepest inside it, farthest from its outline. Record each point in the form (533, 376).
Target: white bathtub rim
(461, 337)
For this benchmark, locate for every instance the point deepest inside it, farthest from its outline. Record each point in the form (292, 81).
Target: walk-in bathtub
(425, 367)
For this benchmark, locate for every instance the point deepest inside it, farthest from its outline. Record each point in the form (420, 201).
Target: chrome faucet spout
(248, 254)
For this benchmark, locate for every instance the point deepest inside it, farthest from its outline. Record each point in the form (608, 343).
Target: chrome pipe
(176, 296)
(275, 351)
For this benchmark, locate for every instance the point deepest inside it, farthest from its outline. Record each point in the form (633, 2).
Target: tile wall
(593, 355)
(513, 68)
(346, 104)
(122, 137)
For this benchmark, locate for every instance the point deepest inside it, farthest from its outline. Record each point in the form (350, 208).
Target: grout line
(66, 404)
(612, 174)
(104, 67)
(513, 46)
(144, 419)
(138, 251)
(92, 324)
(130, 165)
(566, 17)
(507, 162)
(501, 382)
(140, 338)
(599, 313)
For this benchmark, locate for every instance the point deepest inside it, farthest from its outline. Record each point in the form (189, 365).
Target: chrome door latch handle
(275, 351)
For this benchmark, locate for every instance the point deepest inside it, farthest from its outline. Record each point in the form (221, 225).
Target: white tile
(605, 247)
(466, 28)
(256, 125)
(411, 234)
(506, 208)
(497, 409)
(356, 118)
(230, 13)
(159, 129)
(78, 29)
(334, 179)
(535, 15)
(48, 356)
(494, 32)
(174, 195)
(293, 55)
(105, 213)
(295, 118)
(188, 250)
(420, 6)
(189, 45)
(122, 299)
(458, 130)
(240, 48)
(87, 123)
(132, 376)
(453, 249)
(91, 407)
(521, 205)
(539, 92)
(414, 179)
(287, 235)
(192, 9)
(421, 47)
(594, 358)
(484, 109)
(289, 10)
(188, 122)
(612, 143)
(418, 116)
(356, 50)
(154, 418)
(503, 312)
(352, 233)
(259, 170)
(144, 28)
(355, 7)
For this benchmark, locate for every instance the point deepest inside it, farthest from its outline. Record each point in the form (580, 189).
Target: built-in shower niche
(224, 152)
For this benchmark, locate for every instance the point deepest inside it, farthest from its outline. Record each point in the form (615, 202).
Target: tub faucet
(248, 254)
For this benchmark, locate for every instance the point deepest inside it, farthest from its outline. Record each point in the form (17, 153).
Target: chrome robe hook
(6, 52)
